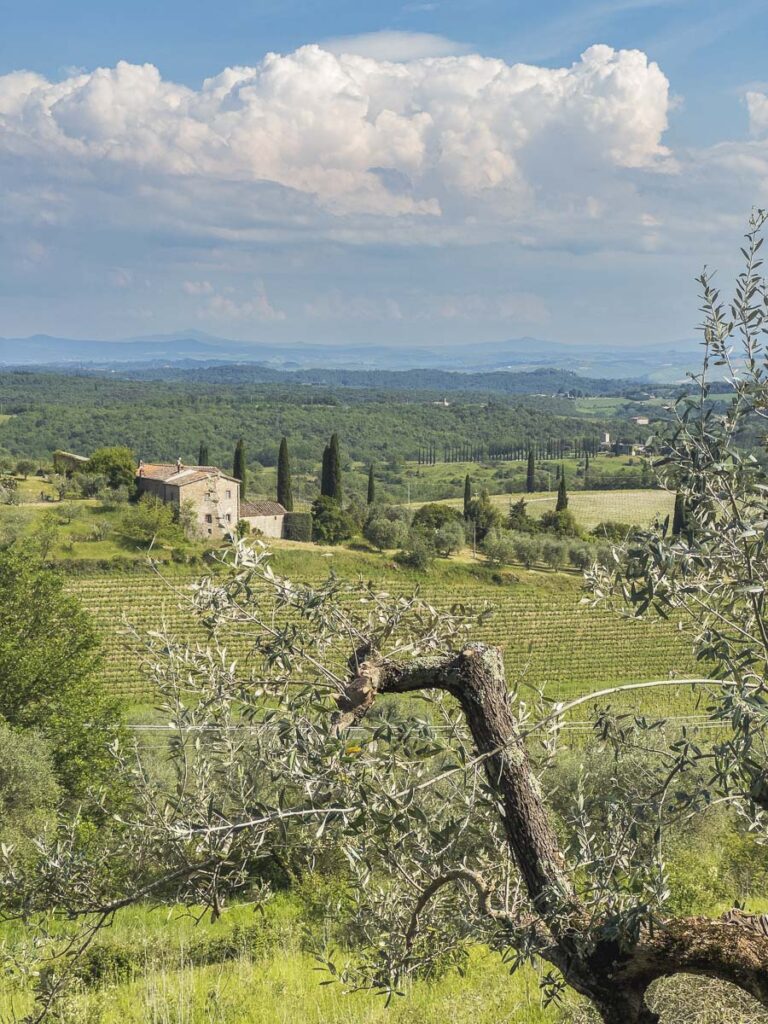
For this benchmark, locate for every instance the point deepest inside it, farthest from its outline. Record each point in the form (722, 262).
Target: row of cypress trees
(330, 481)
(330, 478)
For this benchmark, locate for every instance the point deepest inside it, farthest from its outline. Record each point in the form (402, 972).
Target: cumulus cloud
(757, 105)
(353, 133)
(306, 168)
(396, 46)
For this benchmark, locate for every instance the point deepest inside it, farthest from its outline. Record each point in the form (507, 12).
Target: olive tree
(438, 816)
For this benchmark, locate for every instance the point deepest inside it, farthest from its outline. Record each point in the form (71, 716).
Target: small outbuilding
(268, 517)
(68, 463)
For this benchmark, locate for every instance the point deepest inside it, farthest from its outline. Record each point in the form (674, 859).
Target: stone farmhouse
(210, 493)
(214, 497)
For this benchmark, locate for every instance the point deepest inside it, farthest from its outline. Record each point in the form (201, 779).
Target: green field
(635, 508)
(252, 968)
(269, 979)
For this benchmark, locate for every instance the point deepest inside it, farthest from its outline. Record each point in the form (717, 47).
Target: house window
(210, 532)
(229, 517)
(209, 519)
(229, 494)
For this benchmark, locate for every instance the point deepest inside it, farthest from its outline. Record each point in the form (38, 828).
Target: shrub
(519, 519)
(527, 550)
(117, 464)
(483, 516)
(384, 533)
(449, 538)
(500, 547)
(298, 526)
(29, 791)
(580, 555)
(417, 555)
(149, 519)
(562, 523)
(48, 653)
(91, 484)
(330, 523)
(614, 532)
(553, 552)
(433, 517)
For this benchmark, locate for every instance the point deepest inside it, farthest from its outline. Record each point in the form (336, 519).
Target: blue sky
(420, 172)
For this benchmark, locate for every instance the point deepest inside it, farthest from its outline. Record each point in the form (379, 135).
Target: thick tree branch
(455, 875)
(615, 979)
(475, 676)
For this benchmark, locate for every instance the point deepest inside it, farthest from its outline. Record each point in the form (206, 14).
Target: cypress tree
(467, 496)
(284, 485)
(334, 469)
(562, 494)
(678, 516)
(324, 481)
(586, 471)
(530, 477)
(238, 466)
(371, 485)
(203, 458)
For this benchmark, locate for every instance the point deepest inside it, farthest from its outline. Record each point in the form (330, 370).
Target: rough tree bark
(614, 979)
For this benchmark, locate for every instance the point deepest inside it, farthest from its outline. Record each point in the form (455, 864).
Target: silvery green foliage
(398, 808)
(714, 572)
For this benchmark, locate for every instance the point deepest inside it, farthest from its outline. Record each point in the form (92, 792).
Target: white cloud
(517, 307)
(495, 185)
(395, 46)
(120, 277)
(354, 134)
(197, 287)
(757, 105)
(227, 307)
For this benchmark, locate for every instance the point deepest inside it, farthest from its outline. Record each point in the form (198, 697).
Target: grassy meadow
(633, 507)
(163, 966)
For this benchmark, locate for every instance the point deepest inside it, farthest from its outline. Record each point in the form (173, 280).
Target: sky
(431, 172)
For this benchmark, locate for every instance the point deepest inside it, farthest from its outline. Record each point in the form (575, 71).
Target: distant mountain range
(660, 363)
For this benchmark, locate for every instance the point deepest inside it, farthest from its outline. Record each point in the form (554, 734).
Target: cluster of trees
(166, 420)
(51, 703)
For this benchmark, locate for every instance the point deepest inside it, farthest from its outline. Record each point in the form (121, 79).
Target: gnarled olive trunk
(615, 979)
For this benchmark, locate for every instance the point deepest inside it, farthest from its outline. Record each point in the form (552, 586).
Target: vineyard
(550, 640)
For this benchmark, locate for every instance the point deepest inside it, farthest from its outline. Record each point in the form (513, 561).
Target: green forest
(162, 420)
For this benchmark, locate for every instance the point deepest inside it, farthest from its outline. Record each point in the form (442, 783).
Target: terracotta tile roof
(156, 472)
(168, 473)
(261, 508)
